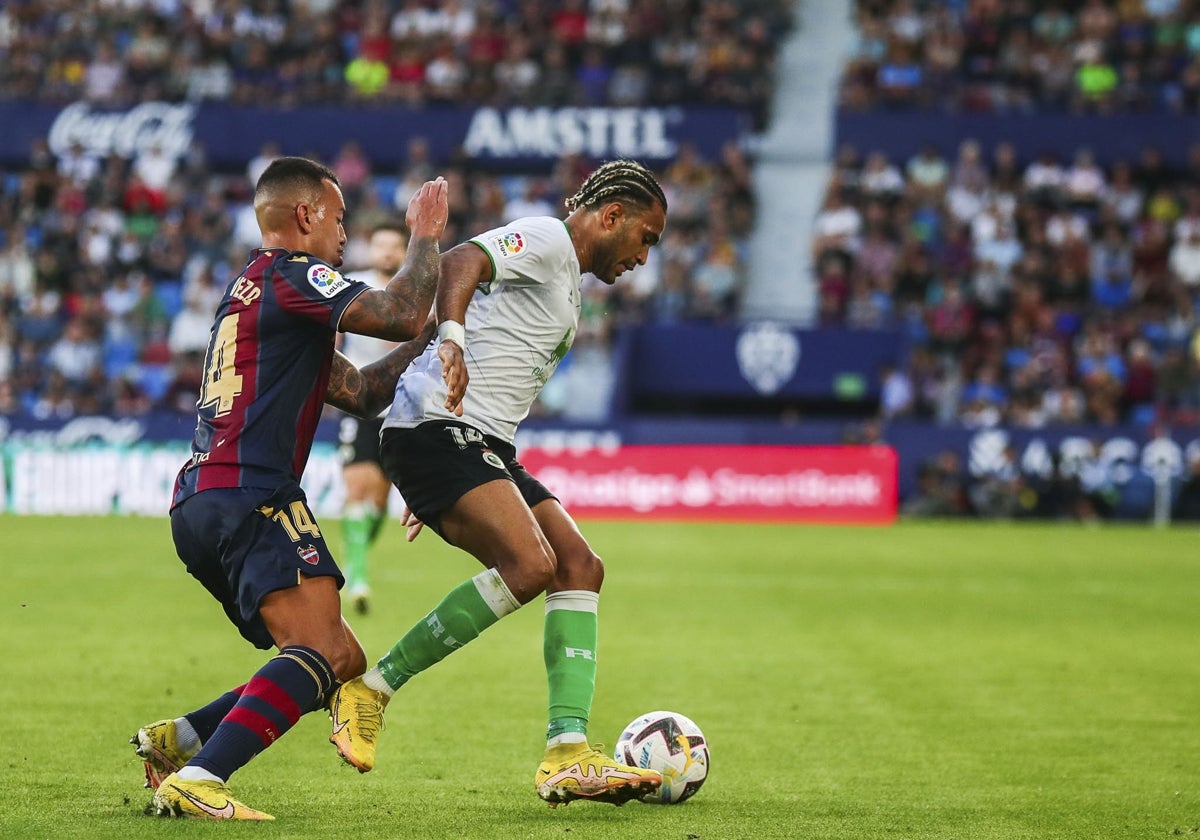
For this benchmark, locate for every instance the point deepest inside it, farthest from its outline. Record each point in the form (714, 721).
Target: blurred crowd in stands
(1038, 292)
(1035, 292)
(1076, 56)
(1051, 290)
(418, 52)
(110, 268)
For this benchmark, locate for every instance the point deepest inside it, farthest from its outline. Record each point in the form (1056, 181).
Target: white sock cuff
(495, 593)
(373, 678)
(579, 600)
(186, 737)
(567, 738)
(192, 773)
(357, 510)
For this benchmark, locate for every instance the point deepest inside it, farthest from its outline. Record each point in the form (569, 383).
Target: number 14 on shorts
(298, 522)
(465, 436)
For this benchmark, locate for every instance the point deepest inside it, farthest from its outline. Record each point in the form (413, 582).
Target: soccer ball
(670, 744)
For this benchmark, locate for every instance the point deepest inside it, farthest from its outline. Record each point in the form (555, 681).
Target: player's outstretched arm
(366, 391)
(397, 311)
(464, 267)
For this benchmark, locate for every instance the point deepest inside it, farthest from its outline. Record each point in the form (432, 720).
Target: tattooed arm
(397, 311)
(367, 391)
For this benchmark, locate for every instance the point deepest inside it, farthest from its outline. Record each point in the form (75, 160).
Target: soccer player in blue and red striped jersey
(239, 518)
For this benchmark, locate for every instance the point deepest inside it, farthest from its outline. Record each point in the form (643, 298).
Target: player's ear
(612, 214)
(305, 216)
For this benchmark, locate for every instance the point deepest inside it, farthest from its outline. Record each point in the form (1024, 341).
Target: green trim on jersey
(488, 254)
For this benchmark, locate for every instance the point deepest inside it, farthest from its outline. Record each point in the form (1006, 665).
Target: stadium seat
(1156, 334)
(155, 380)
(385, 188)
(1016, 358)
(119, 355)
(1067, 323)
(1143, 415)
(170, 292)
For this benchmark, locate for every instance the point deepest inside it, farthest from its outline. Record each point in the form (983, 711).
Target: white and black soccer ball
(670, 744)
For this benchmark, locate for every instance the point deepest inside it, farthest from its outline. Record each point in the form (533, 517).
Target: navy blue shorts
(440, 461)
(245, 542)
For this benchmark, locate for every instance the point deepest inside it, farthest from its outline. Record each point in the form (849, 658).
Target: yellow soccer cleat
(178, 797)
(579, 771)
(356, 713)
(161, 755)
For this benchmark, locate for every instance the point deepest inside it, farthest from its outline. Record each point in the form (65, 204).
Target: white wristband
(453, 331)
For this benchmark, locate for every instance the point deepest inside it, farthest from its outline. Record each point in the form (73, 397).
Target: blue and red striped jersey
(266, 372)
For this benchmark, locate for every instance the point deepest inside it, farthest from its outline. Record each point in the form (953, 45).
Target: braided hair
(618, 179)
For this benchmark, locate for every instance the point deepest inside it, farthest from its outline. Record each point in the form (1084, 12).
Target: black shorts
(245, 542)
(437, 463)
(358, 440)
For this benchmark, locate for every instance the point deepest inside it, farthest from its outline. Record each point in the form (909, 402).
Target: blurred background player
(367, 488)
(508, 303)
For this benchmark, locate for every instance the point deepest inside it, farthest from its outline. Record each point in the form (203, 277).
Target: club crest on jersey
(326, 281)
(309, 554)
(510, 244)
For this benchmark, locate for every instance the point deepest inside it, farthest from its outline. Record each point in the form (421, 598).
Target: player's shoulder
(542, 226)
(293, 262)
(303, 269)
(531, 234)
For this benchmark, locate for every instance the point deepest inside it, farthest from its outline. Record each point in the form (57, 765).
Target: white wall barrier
(129, 479)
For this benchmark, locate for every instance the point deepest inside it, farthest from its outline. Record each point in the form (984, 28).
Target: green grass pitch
(923, 681)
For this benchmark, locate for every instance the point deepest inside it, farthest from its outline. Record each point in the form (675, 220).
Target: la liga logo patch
(510, 244)
(326, 280)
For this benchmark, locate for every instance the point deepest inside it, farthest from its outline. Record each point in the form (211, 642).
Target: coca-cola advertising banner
(835, 484)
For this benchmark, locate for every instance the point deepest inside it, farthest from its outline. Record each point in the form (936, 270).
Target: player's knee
(530, 575)
(581, 568)
(538, 576)
(347, 658)
(343, 653)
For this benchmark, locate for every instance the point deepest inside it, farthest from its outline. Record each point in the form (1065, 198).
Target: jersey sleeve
(313, 289)
(520, 250)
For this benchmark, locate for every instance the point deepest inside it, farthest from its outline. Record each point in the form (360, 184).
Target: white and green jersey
(362, 350)
(519, 326)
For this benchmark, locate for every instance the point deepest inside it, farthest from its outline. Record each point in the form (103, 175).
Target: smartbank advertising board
(231, 135)
(726, 483)
(851, 484)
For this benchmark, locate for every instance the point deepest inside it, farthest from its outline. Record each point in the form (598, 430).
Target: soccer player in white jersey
(508, 307)
(367, 488)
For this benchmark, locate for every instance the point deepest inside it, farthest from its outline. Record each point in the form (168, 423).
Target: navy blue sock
(291, 684)
(206, 719)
